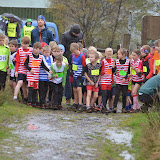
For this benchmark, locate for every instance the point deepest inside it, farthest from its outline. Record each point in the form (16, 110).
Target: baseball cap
(41, 17)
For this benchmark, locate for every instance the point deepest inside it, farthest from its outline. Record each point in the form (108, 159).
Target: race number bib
(95, 72)
(109, 71)
(60, 74)
(74, 67)
(35, 63)
(133, 72)
(122, 73)
(3, 58)
(144, 69)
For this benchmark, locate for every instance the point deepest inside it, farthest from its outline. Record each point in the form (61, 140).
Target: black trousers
(43, 88)
(106, 94)
(58, 94)
(51, 93)
(3, 76)
(32, 95)
(124, 89)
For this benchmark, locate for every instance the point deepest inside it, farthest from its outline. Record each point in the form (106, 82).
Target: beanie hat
(41, 17)
(76, 28)
(62, 47)
(28, 20)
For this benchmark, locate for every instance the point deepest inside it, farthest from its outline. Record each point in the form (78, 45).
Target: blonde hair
(47, 48)
(74, 46)
(95, 54)
(57, 48)
(92, 48)
(100, 55)
(2, 35)
(52, 44)
(109, 50)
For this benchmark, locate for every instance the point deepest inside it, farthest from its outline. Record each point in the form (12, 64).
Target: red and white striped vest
(107, 77)
(23, 56)
(34, 64)
(135, 76)
(122, 70)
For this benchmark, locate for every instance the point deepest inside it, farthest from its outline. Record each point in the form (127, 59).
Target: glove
(79, 77)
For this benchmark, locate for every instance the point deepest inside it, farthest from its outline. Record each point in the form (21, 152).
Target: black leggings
(106, 94)
(124, 89)
(58, 94)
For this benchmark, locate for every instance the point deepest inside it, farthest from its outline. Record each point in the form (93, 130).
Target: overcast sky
(24, 3)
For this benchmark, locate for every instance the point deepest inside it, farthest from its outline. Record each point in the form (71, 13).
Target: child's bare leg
(24, 88)
(88, 99)
(79, 92)
(14, 85)
(75, 95)
(94, 98)
(17, 88)
(134, 95)
(99, 100)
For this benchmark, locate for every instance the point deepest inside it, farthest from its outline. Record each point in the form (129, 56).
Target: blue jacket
(46, 35)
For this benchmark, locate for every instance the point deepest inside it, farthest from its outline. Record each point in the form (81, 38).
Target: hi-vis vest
(27, 31)
(11, 30)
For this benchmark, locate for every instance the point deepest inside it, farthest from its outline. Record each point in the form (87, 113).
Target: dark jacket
(46, 35)
(67, 39)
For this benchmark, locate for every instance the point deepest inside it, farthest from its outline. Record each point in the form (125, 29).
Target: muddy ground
(64, 135)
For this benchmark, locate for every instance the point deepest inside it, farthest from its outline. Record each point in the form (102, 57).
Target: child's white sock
(15, 97)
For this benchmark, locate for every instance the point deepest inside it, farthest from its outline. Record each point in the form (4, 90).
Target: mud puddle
(64, 136)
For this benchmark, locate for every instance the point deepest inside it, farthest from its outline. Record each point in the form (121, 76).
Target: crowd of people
(45, 72)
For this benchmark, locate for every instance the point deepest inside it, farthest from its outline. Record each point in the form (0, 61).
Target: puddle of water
(121, 137)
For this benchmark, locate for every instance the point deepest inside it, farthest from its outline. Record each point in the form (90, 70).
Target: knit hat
(62, 47)
(76, 28)
(43, 44)
(41, 17)
(28, 20)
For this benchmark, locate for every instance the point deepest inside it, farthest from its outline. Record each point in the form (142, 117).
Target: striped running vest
(107, 77)
(77, 66)
(43, 75)
(23, 56)
(34, 64)
(135, 77)
(122, 70)
(59, 72)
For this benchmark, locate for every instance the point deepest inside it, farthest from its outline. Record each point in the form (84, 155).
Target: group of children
(40, 74)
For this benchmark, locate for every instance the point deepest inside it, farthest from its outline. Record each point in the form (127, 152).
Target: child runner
(92, 75)
(123, 69)
(43, 76)
(137, 78)
(4, 61)
(13, 44)
(78, 67)
(147, 62)
(33, 63)
(59, 69)
(20, 69)
(106, 78)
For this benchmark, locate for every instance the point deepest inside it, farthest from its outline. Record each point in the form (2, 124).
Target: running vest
(122, 70)
(34, 64)
(146, 69)
(27, 31)
(43, 75)
(156, 57)
(59, 72)
(12, 56)
(107, 77)
(77, 66)
(11, 29)
(23, 56)
(135, 77)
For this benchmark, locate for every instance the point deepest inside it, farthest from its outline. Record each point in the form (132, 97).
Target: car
(51, 26)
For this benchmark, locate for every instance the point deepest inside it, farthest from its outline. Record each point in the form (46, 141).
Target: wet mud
(64, 135)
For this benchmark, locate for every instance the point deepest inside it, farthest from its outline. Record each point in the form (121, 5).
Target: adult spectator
(41, 33)
(148, 93)
(73, 35)
(12, 29)
(27, 29)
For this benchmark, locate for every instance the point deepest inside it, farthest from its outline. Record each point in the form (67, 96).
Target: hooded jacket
(46, 35)
(67, 39)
